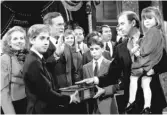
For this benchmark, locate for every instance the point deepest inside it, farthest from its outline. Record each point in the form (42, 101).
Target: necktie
(107, 47)
(47, 73)
(96, 69)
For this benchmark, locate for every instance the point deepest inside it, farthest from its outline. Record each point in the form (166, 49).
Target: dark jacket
(41, 94)
(122, 65)
(63, 69)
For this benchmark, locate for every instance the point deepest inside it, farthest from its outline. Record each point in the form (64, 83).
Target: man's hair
(47, 19)
(104, 26)
(36, 29)
(92, 40)
(131, 16)
(79, 27)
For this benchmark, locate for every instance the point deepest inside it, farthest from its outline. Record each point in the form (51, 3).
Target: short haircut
(47, 19)
(104, 26)
(91, 40)
(79, 27)
(7, 37)
(131, 16)
(36, 29)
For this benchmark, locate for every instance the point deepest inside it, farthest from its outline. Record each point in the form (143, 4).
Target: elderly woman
(13, 98)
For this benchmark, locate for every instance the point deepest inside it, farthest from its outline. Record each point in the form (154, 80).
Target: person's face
(17, 41)
(96, 51)
(149, 22)
(57, 27)
(79, 35)
(106, 33)
(124, 25)
(41, 42)
(69, 40)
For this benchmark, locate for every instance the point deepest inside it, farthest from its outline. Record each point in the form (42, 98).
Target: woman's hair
(154, 12)
(69, 32)
(6, 39)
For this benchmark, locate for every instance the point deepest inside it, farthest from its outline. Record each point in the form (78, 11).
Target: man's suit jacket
(63, 69)
(87, 56)
(122, 64)
(106, 103)
(41, 94)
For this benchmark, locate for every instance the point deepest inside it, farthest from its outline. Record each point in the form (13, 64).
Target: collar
(99, 62)
(52, 39)
(35, 51)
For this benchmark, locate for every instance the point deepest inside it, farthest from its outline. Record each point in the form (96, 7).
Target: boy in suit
(41, 94)
(87, 55)
(97, 67)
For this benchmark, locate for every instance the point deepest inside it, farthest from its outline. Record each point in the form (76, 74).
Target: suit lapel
(102, 68)
(90, 69)
(47, 75)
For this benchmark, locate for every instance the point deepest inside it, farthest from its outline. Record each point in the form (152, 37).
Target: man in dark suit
(42, 97)
(128, 23)
(106, 33)
(63, 70)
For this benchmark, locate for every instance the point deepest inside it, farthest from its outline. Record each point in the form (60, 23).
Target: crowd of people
(53, 55)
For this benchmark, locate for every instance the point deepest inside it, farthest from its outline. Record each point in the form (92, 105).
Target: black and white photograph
(83, 57)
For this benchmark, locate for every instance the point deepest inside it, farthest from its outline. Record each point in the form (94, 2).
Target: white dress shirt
(99, 62)
(35, 51)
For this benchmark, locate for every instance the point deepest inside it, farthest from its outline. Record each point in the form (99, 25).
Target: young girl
(146, 54)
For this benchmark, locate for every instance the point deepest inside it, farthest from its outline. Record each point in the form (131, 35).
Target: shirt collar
(99, 61)
(35, 51)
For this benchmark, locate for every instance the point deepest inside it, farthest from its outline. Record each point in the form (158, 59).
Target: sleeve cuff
(96, 80)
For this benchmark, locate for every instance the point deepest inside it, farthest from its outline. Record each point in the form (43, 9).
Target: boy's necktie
(96, 69)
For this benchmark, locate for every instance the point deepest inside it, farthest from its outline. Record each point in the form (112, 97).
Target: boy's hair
(104, 26)
(36, 29)
(47, 19)
(92, 40)
(131, 16)
(79, 27)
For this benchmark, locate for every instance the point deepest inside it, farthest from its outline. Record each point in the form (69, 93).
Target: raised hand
(60, 46)
(100, 91)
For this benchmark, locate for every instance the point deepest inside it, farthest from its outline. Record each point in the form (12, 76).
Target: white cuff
(70, 99)
(96, 80)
